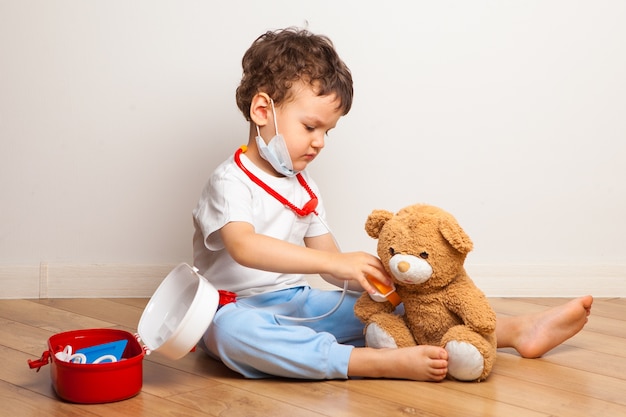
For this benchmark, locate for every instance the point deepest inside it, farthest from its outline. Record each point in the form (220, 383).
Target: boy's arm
(327, 243)
(320, 256)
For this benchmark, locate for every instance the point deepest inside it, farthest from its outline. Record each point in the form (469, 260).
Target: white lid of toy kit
(179, 312)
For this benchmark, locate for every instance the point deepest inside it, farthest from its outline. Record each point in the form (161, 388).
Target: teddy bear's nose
(404, 266)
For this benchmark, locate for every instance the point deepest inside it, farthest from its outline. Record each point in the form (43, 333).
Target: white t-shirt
(230, 196)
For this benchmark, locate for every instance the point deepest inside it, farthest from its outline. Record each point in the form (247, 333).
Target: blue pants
(250, 339)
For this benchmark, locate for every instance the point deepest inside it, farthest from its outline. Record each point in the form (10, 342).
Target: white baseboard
(19, 281)
(550, 280)
(50, 280)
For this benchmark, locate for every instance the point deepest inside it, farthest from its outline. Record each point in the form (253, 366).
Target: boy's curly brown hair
(278, 59)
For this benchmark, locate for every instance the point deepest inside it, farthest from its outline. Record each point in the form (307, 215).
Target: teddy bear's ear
(375, 222)
(455, 235)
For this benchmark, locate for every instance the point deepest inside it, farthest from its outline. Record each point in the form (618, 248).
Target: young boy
(260, 229)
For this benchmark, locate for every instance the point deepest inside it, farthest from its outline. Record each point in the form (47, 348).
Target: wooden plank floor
(586, 376)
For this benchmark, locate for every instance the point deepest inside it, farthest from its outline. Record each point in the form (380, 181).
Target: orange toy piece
(385, 292)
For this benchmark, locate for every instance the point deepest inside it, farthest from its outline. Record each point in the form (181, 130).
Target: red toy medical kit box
(94, 383)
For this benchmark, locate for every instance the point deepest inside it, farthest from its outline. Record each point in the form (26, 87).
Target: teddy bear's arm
(365, 307)
(471, 305)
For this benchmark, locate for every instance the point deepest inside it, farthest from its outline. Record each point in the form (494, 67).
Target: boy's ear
(259, 108)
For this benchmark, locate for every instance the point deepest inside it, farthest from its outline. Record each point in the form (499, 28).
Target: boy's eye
(309, 128)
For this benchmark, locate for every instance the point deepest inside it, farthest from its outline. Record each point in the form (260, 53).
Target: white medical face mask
(275, 152)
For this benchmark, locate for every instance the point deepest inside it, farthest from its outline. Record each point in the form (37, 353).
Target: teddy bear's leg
(465, 362)
(377, 338)
(387, 331)
(470, 355)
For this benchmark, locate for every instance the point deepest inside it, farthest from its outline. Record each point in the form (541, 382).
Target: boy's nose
(319, 141)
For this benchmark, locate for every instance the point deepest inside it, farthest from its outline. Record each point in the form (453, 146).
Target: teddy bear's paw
(465, 362)
(376, 337)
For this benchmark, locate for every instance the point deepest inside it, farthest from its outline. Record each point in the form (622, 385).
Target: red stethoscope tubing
(307, 209)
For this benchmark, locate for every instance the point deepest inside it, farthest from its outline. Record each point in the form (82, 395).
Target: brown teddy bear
(423, 249)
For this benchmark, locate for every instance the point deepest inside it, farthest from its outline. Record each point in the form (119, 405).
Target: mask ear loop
(332, 310)
(275, 119)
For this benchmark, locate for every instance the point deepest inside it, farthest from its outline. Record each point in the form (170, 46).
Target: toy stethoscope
(308, 208)
(66, 355)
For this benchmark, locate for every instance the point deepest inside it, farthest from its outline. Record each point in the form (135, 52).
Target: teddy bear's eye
(424, 255)
(392, 251)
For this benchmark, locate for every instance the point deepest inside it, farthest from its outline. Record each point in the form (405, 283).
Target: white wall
(509, 114)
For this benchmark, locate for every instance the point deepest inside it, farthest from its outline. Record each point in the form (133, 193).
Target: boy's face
(304, 119)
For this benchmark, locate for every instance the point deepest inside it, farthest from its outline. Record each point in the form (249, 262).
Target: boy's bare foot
(418, 363)
(535, 334)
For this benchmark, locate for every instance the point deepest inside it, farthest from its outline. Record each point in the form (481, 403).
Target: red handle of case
(44, 360)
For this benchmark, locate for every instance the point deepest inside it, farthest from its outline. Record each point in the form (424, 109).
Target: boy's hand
(359, 267)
